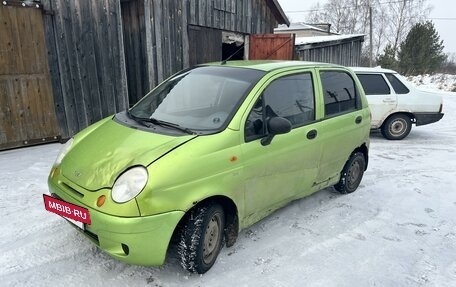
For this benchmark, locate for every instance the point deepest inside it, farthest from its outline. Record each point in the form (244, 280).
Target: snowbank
(444, 82)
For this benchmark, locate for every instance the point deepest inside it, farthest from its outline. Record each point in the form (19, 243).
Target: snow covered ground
(397, 229)
(444, 82)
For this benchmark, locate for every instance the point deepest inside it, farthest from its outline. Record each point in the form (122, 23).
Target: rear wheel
(397, 127)
(352, 173)
(201, 238)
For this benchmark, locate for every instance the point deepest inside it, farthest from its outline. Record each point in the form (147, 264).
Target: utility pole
(370, 36)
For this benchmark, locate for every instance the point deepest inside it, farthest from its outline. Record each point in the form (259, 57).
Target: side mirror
(276, 126)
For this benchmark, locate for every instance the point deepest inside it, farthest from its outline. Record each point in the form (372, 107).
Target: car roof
(270, 65)
(372, 70)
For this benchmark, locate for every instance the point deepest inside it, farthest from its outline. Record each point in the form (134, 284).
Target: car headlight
(63, 152)
(129, 184)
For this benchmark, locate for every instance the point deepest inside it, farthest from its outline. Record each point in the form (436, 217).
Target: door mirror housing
(276, 126)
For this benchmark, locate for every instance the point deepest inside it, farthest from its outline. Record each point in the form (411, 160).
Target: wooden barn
(316, 43)
(337, 49)
(65, 64)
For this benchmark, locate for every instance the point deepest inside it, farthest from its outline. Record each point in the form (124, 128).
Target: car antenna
(232, 55)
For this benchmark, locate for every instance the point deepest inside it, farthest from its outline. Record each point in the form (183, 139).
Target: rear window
(398, 86)
(339, 90)
(374, 84)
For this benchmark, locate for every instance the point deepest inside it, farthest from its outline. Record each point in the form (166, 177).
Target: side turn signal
(101, 200)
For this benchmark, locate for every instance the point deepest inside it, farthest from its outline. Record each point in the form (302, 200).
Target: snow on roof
(320, 39)
(298, 26)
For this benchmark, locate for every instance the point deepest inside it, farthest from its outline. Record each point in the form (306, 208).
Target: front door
(286, 168)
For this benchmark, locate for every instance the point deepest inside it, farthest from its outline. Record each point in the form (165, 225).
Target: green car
(208, 152)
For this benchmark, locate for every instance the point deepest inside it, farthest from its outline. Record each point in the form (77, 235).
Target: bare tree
(403, 15)
(380, 32)
(345, 16)
(392, 19)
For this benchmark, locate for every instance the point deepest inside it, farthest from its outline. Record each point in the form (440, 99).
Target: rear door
(344, 123)
(381, 97)
(287, 167)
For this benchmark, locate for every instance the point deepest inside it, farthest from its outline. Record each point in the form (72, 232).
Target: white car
(395, 103)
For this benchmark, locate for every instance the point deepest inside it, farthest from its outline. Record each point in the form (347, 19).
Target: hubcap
(211, 239)
(398, 127)
(354, 174)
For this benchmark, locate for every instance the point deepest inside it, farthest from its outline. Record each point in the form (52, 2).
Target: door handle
(312, 134)
(358, 119)
(389, 101)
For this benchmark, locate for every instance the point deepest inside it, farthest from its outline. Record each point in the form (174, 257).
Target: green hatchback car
(210, 151)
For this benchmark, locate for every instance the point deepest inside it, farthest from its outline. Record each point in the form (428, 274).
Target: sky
(441, 9)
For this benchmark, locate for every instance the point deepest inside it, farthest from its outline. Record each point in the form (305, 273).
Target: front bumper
(427, 118)
(134, 240)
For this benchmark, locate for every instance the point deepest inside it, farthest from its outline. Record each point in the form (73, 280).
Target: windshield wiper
(160, 123)
(139, 120)
(170, 125)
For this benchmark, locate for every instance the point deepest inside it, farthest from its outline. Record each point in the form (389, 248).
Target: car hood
(98, 156)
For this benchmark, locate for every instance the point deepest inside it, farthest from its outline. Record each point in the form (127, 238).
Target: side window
(398, 86)
(339, 92)
(290, 97)
(374, 84)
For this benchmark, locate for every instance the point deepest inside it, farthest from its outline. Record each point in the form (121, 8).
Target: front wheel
(201, 238)
(352, 173)
(397, 127)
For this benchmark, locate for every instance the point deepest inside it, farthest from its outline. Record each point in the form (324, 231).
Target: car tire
(352, 173)
(397, 127)
(201, 238)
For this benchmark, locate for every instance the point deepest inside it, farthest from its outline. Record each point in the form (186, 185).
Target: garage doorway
(233, 46)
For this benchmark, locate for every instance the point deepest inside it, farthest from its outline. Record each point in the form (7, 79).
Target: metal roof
(299, 26)
(322, 39)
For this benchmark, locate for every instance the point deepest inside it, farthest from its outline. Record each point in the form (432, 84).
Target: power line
(344, 7)
(428, 18)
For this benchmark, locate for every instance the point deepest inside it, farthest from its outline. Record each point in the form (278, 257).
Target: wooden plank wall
(26, 104)
(198, 38)
(165, 36)
(134, 33)
(87, 60)
(172, 38)
(249, 17)
(346, 53)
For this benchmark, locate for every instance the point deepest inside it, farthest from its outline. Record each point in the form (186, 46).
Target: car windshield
(202, 99)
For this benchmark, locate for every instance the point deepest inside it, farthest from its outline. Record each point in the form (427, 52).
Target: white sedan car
(395, 103)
